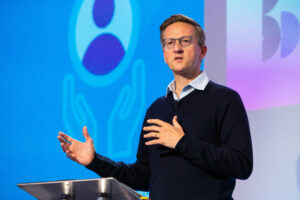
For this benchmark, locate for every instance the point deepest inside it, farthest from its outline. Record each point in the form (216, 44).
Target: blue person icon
(106, 51)
(102, 38)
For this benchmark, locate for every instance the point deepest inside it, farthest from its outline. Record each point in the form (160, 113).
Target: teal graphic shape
(76, 111)
(127, 112)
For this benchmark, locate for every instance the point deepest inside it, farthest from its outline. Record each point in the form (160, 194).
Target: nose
(177, 47)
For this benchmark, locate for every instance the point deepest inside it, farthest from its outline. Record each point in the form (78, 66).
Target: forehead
(179, 29)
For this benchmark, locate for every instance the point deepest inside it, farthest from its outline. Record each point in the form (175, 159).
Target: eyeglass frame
(179, 40)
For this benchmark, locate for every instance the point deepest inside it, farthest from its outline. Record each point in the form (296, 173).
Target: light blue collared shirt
(199, 83)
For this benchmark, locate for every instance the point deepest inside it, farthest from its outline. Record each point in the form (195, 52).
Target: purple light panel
(263, 52)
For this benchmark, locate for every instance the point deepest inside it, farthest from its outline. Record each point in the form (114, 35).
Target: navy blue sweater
(215, 150)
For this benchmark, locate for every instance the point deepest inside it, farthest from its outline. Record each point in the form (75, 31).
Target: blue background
(42, 91)
(35, 58)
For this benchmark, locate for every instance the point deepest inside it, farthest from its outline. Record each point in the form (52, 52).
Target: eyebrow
(178, 37)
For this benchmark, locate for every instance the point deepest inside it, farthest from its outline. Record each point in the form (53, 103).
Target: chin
(178, 67)
(178, 71)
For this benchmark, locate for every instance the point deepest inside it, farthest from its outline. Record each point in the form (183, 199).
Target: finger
(153, 142)
(70, 155)
(151, 135)
(65, 143)
(175, 122)
(74, 157)
(66, 137)
(64, 148)
(62, 140)
(151, 128)
(85, 133)
(68, 150)
(157, 122)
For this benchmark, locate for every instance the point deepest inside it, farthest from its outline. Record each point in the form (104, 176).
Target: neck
(181, 81)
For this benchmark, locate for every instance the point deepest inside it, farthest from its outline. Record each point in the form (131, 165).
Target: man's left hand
(167, 134)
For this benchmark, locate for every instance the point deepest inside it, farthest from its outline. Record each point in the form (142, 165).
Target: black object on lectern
(87, 189)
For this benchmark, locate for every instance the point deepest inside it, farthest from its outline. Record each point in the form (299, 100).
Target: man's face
(183, 60)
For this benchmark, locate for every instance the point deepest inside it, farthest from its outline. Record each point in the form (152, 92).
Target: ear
(164, 56)
(203, 51)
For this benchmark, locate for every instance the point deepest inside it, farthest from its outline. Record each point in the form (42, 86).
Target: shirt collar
(199, 83)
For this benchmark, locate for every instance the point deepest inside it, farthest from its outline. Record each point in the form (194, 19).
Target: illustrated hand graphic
(126, 114)
(76, 111)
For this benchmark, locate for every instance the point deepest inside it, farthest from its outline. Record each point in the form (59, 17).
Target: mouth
(178, 58)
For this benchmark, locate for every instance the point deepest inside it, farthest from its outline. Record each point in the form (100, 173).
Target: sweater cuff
(93, 163)
(103, 166)
(181, 144)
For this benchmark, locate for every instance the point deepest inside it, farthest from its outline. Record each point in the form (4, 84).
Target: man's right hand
(80, 152)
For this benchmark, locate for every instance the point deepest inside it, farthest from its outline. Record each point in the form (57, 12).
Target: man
(195, 140)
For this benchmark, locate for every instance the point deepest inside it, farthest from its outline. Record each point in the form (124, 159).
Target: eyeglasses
(184, 41)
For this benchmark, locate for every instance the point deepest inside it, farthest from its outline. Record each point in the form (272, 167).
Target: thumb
(175, 122)
(85, 133)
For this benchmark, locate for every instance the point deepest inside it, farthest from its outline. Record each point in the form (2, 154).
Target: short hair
(182, 18)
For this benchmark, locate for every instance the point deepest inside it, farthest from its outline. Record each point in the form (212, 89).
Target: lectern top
(86, 189)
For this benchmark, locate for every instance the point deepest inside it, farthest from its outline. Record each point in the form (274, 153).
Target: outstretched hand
(166, 134)
(80, 152)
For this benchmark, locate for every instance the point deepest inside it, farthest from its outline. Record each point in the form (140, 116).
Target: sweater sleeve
(231, 158)
(135, 175)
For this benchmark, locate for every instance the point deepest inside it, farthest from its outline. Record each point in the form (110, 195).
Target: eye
(186, 41)
(169, 42)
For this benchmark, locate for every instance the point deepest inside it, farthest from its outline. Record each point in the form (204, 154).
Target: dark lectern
(88, 189)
